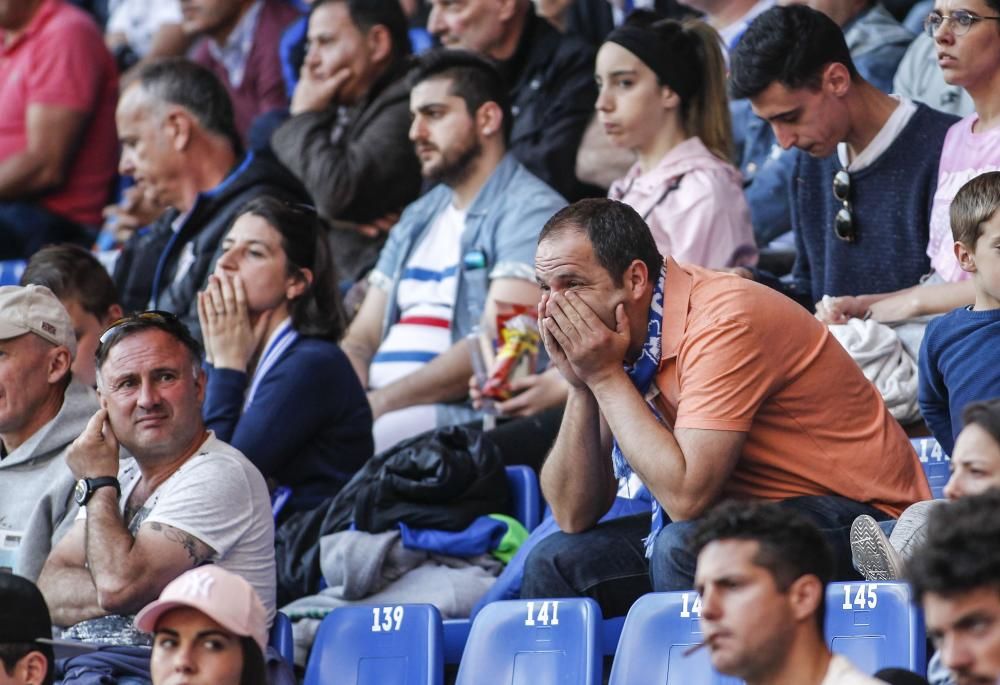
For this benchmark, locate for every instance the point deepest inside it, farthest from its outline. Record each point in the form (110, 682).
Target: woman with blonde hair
(662, 94)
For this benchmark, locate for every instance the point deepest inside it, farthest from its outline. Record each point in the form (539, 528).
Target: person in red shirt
(58, 146)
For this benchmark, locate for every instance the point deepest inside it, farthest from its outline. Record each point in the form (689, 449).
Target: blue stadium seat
(937, 464)
(876, 626)
(525, 496)
(10, 271)
(659, 629)
(524, 642)
(376, 645)
(279, 498)
(281, 638)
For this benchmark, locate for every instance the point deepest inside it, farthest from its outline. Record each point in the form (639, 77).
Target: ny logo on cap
(198, 584)
(48, 328)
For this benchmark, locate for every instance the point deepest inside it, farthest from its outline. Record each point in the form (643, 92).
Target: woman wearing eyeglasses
(966, 34)
(662, 95)
(279, 387)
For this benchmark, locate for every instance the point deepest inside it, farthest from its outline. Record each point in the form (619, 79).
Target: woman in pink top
(662, 95)
(967, 38)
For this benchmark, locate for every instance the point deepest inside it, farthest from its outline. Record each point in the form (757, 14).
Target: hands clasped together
(231, 340)
(579, 343)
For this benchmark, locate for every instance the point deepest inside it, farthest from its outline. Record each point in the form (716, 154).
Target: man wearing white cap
(41, 413)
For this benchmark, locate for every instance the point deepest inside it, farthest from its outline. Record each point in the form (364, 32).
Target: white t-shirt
(842, 672)
(139, 20)
(893, 126)
(426, 297)
(219, 497)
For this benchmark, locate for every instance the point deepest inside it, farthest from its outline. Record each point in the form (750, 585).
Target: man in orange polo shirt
(707, 387)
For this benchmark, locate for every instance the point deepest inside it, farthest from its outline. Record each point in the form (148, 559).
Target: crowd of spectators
(704, 265)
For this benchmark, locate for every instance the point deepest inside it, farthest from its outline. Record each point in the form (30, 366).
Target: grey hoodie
(36, 486)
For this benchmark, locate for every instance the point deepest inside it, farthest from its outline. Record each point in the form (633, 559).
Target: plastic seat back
(375, 645)
(281, 638)
(525, 496)
(876, 626)
(659, 629)
(937, 464)
(534, 642)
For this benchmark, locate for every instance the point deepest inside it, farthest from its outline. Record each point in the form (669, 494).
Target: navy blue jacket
(309, 425)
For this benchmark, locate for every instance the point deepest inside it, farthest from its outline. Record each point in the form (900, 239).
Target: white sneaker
(873, 556)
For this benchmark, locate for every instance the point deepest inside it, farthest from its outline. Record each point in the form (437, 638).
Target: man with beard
(955, 576)
(463, 246)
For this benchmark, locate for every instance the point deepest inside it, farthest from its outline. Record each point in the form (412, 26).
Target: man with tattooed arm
(183, 498)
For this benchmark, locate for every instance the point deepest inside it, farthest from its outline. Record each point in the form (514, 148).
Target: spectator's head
(975, 459)
(87, 292)
(968, 49)
(15, 14)
(281, 254)
(603, 252)
(762, 573)
(213, 18)
(176, 127)
(488, 27)
(975, 226)
(955, 574)
(37, 345)
(460, 114)
(660, 78)
(794, 66)
(26, 656)
(366, 37)
(150, 380)
(209, 627)
(841, 11)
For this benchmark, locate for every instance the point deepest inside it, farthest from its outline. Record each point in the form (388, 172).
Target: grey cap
(35, 309)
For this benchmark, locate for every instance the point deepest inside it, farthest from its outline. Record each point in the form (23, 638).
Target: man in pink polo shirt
(58, 148)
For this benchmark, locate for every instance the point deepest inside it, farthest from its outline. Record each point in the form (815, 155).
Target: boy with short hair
(956, 364)
(87, 292)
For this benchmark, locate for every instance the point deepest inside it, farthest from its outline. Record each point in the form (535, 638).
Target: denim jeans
(25, 228)
(608, 564)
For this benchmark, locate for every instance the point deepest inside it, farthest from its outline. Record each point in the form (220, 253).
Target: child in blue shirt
(961, 350)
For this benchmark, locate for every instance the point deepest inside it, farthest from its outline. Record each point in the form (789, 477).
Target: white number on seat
(864, 598)
(543, 616)
(391, 618)
(695, 606)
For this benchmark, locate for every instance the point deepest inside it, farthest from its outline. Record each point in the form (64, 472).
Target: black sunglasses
(153, 315)
(843, 222)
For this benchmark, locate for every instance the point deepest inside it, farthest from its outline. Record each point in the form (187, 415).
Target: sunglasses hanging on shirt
(843, 222)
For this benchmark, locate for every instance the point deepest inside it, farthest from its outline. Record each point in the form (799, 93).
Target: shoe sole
(870, 549)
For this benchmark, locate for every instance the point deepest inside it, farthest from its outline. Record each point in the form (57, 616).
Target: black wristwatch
(86, 487)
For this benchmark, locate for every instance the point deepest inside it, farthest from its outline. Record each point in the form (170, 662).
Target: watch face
(80, 491)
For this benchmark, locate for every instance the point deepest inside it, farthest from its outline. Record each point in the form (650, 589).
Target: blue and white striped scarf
(642, 373)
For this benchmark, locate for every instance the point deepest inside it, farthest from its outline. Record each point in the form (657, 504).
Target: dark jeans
(608, 562)
(25, 228)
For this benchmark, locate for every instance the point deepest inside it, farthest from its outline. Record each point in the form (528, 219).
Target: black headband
(673, 59)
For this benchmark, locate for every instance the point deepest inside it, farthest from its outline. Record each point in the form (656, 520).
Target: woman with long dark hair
(279, 387)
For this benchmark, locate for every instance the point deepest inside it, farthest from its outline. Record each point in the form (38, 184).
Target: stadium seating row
(876, 625)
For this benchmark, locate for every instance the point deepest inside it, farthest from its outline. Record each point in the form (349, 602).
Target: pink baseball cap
(223, 596)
